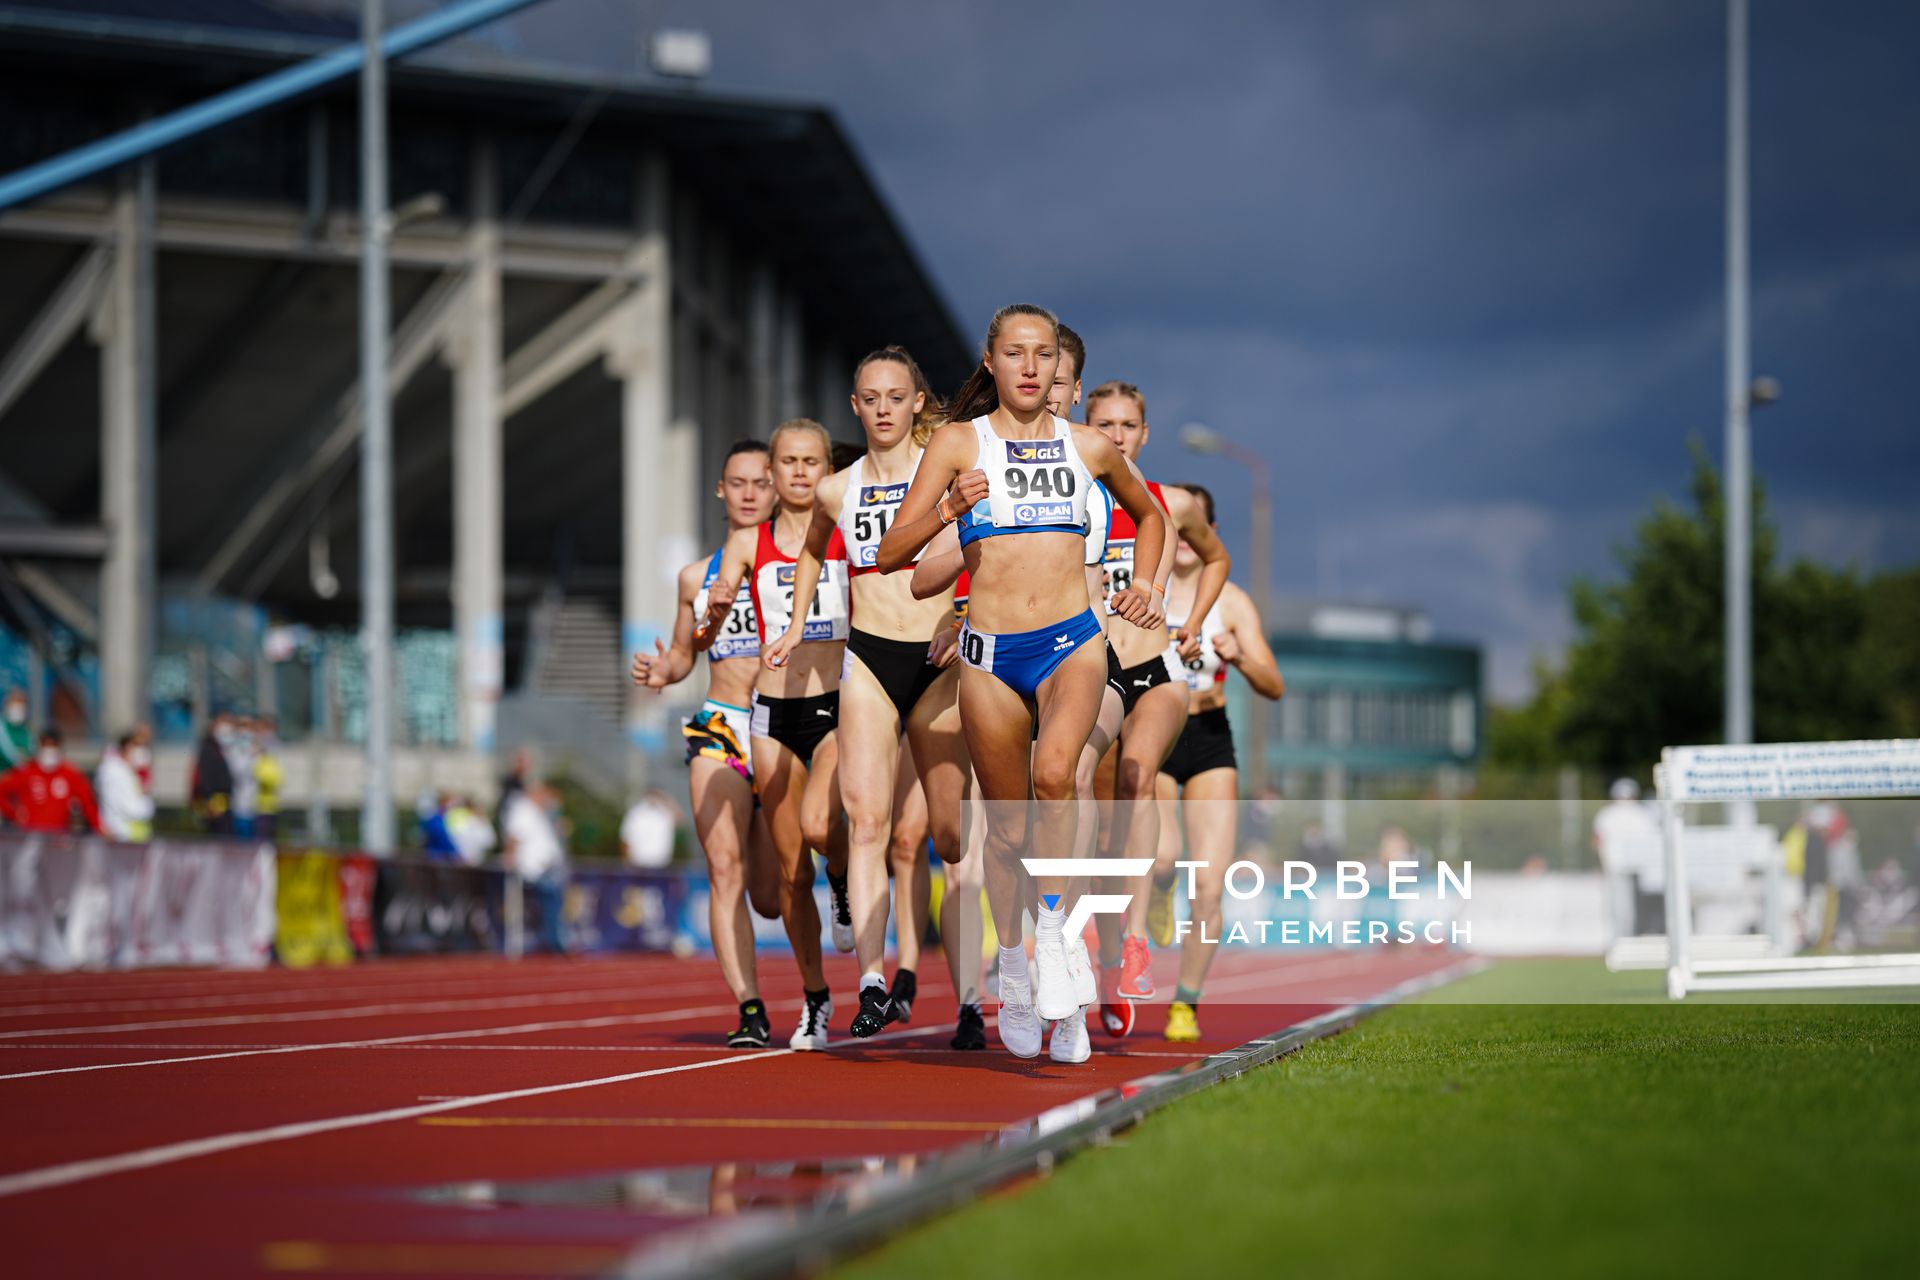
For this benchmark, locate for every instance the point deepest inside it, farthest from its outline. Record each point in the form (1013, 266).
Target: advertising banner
(431, 908)
(79, 902)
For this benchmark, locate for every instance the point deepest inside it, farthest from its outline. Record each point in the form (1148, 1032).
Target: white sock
(1013, 963)
(1052, 921)
(873, 980)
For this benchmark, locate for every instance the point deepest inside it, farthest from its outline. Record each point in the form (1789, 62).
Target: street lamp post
(1203, 439)
(1739, 567)
(376, 441)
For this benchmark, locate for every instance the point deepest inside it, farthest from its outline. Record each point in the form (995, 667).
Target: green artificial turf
(1447, 1138)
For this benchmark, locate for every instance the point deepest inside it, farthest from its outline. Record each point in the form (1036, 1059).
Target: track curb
(848, 1223)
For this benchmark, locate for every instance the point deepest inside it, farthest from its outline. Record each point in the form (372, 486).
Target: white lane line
(409, 1043)
(326, 1015)
(528, 1028)
(208, 981)
(60, 1175)
(313, 993)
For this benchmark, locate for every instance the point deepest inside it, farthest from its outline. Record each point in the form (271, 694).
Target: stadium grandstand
(597, 286)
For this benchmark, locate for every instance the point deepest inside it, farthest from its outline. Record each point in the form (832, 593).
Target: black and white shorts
(798, 724)
(1206, 743)
(1133, 683)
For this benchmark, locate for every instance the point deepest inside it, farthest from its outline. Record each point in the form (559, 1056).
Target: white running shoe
(812, 1031)
(1070, 1042)
(1086, 985)
(1019, 1028)
(1053, 987)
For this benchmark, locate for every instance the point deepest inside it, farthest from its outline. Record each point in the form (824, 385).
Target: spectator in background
(1627, 839)
(16, 739)
(267, 778)
(45, 793)
(472, 835)
(211, 786)
(436, 841)
(646, 833)
(126, 806)
(238, 746)
(513, 783)
(531, 824)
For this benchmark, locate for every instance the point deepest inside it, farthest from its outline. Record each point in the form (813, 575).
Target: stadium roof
(785, 176)
(256, 305)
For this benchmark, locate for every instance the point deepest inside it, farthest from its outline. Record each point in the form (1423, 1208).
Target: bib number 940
(1039, 482)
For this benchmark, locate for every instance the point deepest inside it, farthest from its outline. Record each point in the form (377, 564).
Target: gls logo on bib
(1036, 451)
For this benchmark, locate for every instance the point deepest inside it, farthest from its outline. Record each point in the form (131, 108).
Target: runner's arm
(1150, 525)
(1191, 525)
(939, 569)
(665, 666)
(928, 507)
(736, 562)
(806, 572)
(1249, 652)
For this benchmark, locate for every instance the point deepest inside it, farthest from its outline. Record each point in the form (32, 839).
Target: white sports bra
(1208, 668)
(1033, 486)
(866, 513)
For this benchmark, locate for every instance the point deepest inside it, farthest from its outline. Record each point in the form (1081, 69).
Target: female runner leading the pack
(1016, 480)
(741, 863)
(796, 708)
(898, 676)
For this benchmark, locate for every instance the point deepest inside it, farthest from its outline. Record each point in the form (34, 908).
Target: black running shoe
(971, 1033)
(754, 1030)
(906, 989)
(842, 922)
(876, 1011)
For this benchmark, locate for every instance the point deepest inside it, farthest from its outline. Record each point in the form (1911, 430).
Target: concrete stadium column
(789, 364)
(473, 351)
(763, 306)
(125, 327)
(642, 359)
(832, 381)
(681, 464)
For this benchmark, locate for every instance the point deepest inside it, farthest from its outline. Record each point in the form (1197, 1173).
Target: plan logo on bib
(1044, 513)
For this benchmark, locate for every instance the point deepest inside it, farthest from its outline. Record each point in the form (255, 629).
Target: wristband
(1157, 587)
(940, 509)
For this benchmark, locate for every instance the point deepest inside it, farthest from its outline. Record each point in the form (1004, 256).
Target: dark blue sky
(1456, 267)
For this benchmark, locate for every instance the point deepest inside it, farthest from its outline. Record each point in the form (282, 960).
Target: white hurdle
(1771, 771)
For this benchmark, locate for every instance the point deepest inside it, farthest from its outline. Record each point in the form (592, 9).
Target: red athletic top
(42, 800)
(772, 586)
(1121, 532)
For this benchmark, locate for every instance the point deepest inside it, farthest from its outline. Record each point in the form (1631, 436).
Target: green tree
(1646, 669)
(1890, 648)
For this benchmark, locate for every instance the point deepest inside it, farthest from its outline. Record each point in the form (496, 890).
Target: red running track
(470, 1116)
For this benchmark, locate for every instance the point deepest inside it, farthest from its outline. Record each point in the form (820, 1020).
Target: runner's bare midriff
(813, 668)
(883, 605)
(1025, 583)
(730, 680)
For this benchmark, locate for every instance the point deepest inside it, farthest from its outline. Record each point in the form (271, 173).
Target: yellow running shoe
(1182, 1026)
(1160, 914)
